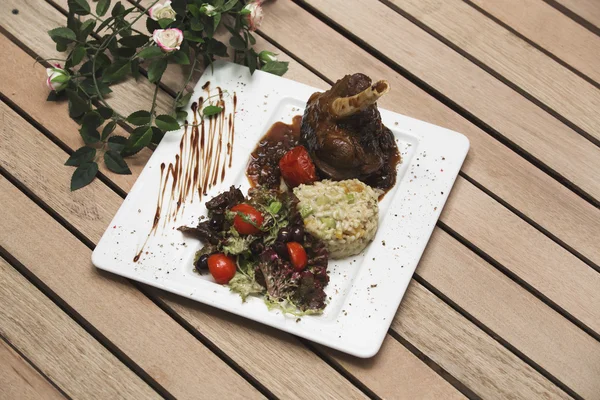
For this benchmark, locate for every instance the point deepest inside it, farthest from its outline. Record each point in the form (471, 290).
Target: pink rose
(255, 17)
(58, 78)
(168, 39)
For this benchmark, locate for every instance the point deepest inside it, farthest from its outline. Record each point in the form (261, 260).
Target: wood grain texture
(276, 359)
(516, 60)
(528, 350)
(62, 262)
(263, 367)
(30, 26)
(490, 163)
(66, 353)
(490, 100)
(19, 380)
(262, 351)
(587, 9)
(551, 30)
(521, 182)
(513, 314)
(471, 350)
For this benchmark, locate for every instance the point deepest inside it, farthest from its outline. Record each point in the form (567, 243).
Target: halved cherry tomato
(221, 267)
(251, 213)
(297, 255)
(297, 168)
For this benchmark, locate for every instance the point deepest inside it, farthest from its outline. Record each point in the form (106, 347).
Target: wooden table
(504, 304)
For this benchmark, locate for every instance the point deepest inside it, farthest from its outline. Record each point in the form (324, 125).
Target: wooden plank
(66, 353)
(30, 25)
(490, 163)
(512, 185)
(19, 380)
(532, 351)
(587, 9)
(276, 359)
(516, 60)
(432, 327)
(230, 333)
(513, 314)
(550, 29)
(488, 99)
(62, 262)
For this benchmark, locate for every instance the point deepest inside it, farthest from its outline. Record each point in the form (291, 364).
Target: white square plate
(364, 292)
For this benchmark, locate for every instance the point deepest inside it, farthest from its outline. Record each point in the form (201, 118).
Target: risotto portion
(343, 214)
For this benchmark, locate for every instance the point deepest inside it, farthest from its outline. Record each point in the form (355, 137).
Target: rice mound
(343, 214)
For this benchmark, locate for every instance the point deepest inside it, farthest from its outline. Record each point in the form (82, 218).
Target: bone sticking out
(345, 106)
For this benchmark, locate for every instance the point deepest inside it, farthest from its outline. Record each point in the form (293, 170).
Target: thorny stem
(189, 78)
(154, 102)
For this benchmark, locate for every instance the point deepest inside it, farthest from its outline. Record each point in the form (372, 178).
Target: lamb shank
(343, 133)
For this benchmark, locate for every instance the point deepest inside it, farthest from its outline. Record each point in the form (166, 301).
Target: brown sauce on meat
(263, 167)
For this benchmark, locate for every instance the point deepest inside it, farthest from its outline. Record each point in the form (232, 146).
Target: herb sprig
(103, 48)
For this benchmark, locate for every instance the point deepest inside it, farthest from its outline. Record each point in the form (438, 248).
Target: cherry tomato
(297, 255)
(221, 267)
(243, 227)
(297, 168)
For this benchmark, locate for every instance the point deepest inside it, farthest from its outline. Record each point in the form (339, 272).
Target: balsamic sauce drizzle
(196, 167)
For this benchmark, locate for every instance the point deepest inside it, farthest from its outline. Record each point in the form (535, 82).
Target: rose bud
(208, 10)
(255, 17)
(162, 11)
(168, 39)
(58, 78)
(266, 56)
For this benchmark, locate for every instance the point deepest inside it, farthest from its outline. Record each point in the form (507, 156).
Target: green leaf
(151, 52)
(139, 138)
(274, 207)
(56, 96)
(104, 24)
(115, 163)
(117, 71)
(194, 10)
(179, 57)
(217, 48)
(84, 175)
(82, 155)
(77, 55)
(196, 25)
(165, 22)
(80, 7)
(61, 44)
(211, 110)
(108, 129)
(157, 135)
(77, 105)
(102, 7)
(276, 67)
(134, 41)
(216, 21)
(89, 87)
(252, 39)
(156, 70)
(86, 28)
(251, 61)
(179, 6)
(63, 33)
(237, 43)
(135, 68)
(151, 25)
(139, 118)
(105, 112)
(166, 123)
(181, 115)
(184, 100)
(123, 52)
(117, 143)
(229, 5)
(189, 35)
(89, 124)
(118, 10)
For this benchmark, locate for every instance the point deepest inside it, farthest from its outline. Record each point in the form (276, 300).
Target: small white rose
(208, 10)
(168, 39)
(58, 78)
(162, 11)
(266, 56)
(255, 17)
